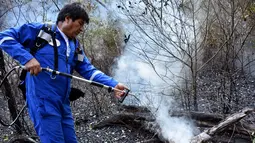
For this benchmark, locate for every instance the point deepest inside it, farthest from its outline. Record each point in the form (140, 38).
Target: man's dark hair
(74, 11)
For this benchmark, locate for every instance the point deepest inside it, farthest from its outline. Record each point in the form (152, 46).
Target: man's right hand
(33, 66)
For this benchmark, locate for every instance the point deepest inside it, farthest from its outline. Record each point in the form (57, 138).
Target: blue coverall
(47, 98)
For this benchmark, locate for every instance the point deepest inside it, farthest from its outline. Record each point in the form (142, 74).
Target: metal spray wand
(109, 88)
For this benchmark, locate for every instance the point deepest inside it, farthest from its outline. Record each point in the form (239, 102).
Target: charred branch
(128, 119)
(229, 121)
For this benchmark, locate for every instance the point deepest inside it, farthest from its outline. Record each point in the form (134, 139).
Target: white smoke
(174, 129)
(153, 81)
(154, 94)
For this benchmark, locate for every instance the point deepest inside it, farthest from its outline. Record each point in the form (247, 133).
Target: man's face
(73, 28)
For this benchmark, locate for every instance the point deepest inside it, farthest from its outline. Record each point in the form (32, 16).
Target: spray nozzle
(122, 98)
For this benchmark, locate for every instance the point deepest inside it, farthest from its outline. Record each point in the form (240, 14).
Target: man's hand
(33, 66)
(120, 86)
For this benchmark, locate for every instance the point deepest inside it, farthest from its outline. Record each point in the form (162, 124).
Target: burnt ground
(84, 120)
(218, 94)
(87, 114)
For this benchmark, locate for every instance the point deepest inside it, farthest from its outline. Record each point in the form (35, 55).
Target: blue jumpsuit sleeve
(12, 41)
(88, 71)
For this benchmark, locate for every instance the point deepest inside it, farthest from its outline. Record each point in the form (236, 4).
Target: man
(47, 94)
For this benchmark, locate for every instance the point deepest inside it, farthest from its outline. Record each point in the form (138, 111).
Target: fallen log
(232, 119)
(199, 116)
(124, 119)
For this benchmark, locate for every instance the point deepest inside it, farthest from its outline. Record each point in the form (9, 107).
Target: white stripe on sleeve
(5, 39)
(94, 74)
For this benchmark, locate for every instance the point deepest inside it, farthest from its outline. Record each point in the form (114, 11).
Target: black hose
(13, 122)
(5, 77)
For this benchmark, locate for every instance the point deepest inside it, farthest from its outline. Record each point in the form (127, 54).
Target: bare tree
(171, 36)
(194, 36)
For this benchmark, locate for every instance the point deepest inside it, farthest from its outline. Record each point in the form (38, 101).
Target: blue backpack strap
(43, 37)
(53, 35)
(46, 34)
